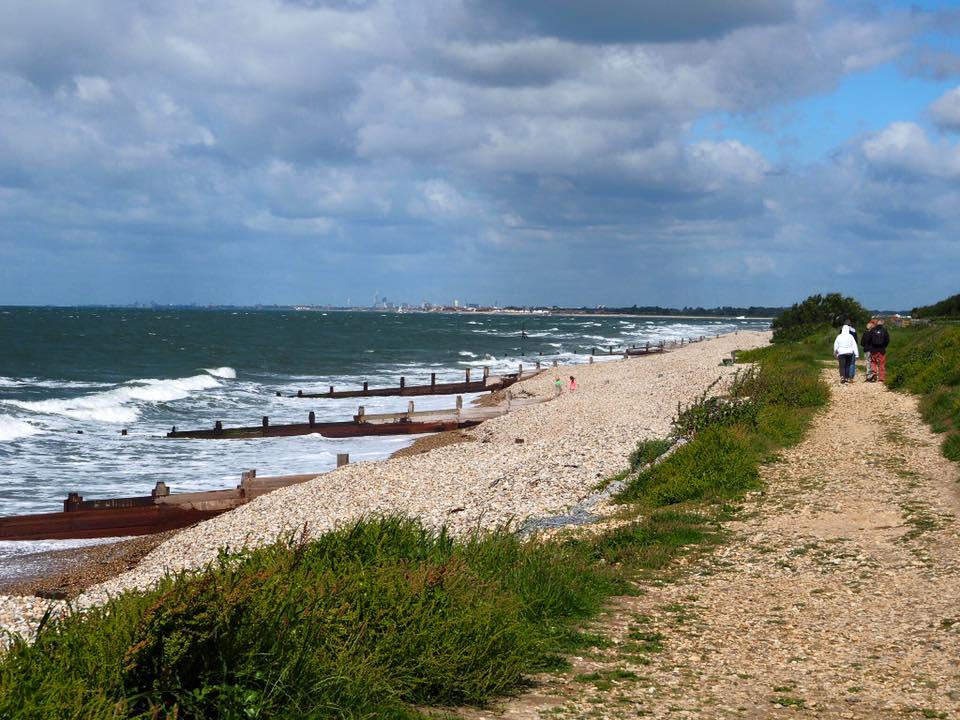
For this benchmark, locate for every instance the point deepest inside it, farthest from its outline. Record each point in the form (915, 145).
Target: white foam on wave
(467, 353)
(227, 373)
(31, 382)
(12, 429)
(119, 404)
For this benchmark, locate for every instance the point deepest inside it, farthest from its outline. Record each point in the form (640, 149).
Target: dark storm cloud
(633, 21)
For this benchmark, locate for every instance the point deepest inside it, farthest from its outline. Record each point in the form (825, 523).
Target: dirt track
(838, 596)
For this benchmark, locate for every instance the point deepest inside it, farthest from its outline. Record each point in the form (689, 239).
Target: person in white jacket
(846, 352)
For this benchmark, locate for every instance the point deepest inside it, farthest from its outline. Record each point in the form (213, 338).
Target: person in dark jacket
(866, 346)
(879, 339)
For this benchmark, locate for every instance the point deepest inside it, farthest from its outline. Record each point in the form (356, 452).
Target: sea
(73, 379)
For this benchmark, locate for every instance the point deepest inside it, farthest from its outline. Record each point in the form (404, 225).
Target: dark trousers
(845, 362)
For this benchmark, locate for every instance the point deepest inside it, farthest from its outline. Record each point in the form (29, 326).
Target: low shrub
(951, 446)
(647, 451)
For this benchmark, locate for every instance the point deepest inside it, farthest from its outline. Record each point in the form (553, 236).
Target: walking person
(879, 339)
(845, 350)
(573, 384)
(558, 385)
(853, 366)
(867, 346)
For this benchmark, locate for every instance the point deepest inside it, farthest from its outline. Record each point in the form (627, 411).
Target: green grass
(382, 618)
(926, 361)
(770, 408)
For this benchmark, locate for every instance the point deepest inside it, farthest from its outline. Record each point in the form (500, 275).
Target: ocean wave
(467, 353)
(32, 382)
(227, 373)
(119, 404)
(12, 429)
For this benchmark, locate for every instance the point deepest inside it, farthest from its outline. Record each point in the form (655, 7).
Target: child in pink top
(573, 384)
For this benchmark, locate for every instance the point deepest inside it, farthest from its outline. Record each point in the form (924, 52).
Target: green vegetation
(949, 308)
(926, 361)
(647, 451)
(769, 407)
(807, 318)
(383, 617)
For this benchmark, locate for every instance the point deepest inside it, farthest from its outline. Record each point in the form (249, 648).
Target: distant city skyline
(529, 152)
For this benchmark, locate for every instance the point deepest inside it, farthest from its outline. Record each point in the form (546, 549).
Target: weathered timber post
(459, 407)
(72, 502)
(331, 389)
(410, 407)
(509, 397)
(300, 393)
(403, 382)
(312, 418)
(468, 376)
(246, 480)
(343, 459)
(365, 385)
(647, 348)
(555, 363)
(538, 364)
(360, 413)
(218, 426)
(160, 490)
(279, 394)
(123, 432)
(519, 371)
(266, 421)
(486, 372)
(591, 359)
(433, 380)
(610, 350)
(593, 351)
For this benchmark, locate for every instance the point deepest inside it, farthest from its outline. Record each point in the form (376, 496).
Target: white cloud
(93, 89)
(946, 110)
(904, 148)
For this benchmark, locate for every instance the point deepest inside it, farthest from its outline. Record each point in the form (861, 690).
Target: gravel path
(537, 460)
(838, 598)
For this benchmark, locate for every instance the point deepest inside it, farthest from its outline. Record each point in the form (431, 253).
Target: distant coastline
(720, 313)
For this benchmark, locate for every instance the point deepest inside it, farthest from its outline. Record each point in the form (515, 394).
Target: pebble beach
(539, 459)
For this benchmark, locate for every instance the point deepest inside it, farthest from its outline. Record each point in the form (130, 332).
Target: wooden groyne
(363, 424)
(487, 384)
(141, 515)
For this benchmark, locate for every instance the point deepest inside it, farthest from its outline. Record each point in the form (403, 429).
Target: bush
(803, 318)
(951, 446)
(945, 308)
(647, 451)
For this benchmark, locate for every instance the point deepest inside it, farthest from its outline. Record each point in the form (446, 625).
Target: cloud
(904, 149)
(946, 110)
(356, 134)
(633, 21)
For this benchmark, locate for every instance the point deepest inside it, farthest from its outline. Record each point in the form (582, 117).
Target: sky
(527, 152)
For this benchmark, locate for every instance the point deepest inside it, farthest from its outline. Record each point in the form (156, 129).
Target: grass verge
(384, 617)
(926, 362)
